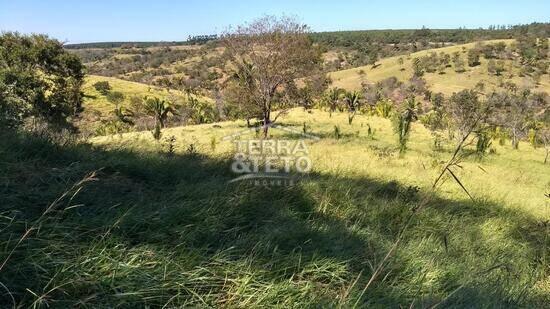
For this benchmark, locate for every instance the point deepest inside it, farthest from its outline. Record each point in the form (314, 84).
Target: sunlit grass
(155, 229)
(515, 178)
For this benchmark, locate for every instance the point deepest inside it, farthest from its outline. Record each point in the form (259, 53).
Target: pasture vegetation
(135, 206)
(152, 229)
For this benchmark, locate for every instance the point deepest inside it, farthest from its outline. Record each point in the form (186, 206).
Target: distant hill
(198, 39)
(124, 44)
(447, 83)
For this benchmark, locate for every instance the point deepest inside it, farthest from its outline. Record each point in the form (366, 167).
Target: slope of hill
(155, 65)
(447, 83)
(96, 107)
(158, 228)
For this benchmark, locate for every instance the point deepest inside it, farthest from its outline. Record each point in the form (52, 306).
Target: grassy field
(446, 83)
(157, 229)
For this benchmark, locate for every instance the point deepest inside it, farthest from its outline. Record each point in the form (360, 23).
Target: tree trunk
(267, 122)
(248, 122)
(515, 139)
(515, 143)
(161, 122)
(547, 153)
(157, 130)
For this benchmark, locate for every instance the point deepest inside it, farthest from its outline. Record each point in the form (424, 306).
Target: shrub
(473, 57)
(115, 97)
(483, 143)
(384, 108)
(102, 87)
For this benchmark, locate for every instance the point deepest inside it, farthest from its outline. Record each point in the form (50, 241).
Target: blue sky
(102, 20)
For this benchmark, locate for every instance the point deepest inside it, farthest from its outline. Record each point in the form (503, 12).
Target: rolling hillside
(96, 107)
(447, 83)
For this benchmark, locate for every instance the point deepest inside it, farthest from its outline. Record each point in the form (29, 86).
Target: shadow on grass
(156, 230)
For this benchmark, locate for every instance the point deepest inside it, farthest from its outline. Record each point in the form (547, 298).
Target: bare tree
(277, 55)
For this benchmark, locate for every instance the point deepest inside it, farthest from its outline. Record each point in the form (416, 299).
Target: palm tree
(332, 99)
(402, 122)
(353, 102)
(159, 109)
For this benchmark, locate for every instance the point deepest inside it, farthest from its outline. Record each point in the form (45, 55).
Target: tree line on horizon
(356, 38)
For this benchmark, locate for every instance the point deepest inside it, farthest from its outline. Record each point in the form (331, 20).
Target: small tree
(353, 103)
(240, 101)
(516, 112)
(444, 59)
(159, 109)
(483, 143)
(402, 122)
(465, 112)
(332, 99)
(458, 63)
(435, 120)
(418, 69)
(124, 115)
(102, 87)
(495, 67)
(500, 67)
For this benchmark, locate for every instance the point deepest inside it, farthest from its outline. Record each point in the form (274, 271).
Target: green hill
(447, 83)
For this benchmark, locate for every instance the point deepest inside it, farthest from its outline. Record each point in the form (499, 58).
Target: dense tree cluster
(38, 80)
(425, 37)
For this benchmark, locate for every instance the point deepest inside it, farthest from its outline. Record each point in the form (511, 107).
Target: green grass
(446, 83)
(158, 230)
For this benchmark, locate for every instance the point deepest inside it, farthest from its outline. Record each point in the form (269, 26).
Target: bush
(115, 97)
(384, 109)
(102, 87)
(473, 57)
(483, 143)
